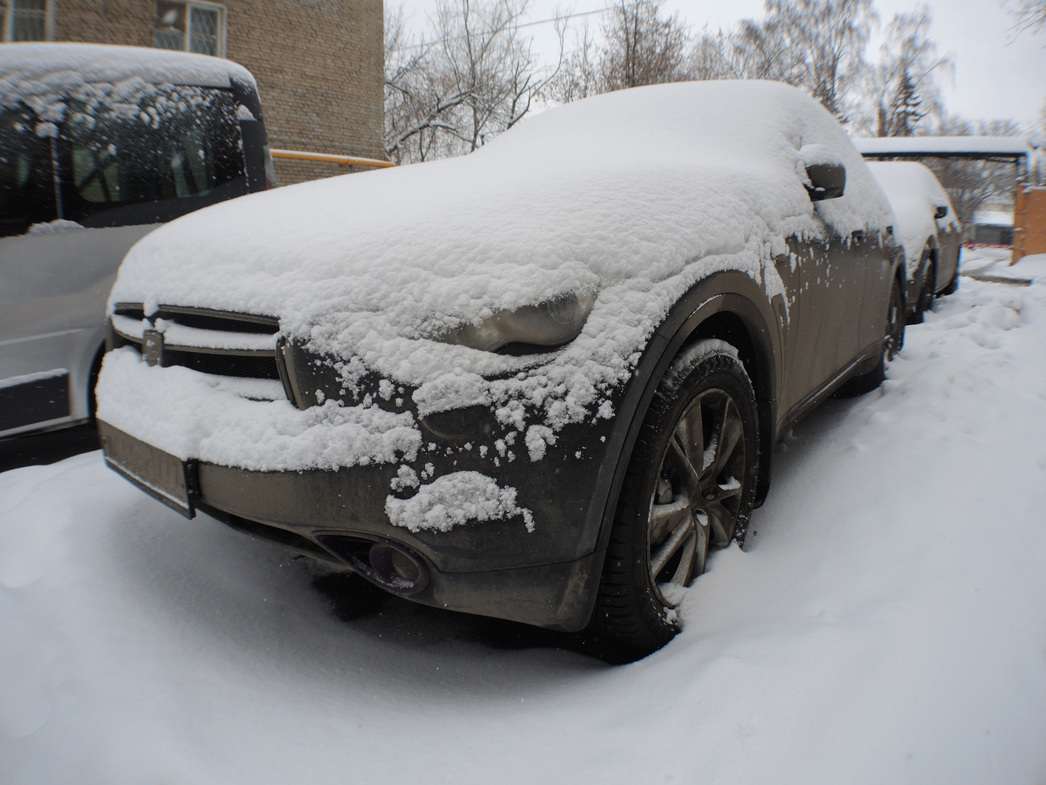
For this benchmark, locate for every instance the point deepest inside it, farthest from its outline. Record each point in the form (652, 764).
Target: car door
(827, 273)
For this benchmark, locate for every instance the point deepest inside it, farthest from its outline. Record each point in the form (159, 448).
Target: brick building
(319, 63)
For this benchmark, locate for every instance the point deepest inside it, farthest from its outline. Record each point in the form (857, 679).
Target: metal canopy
(996, 149)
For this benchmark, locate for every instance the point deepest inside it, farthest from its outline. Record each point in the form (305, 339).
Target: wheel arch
(732, 307)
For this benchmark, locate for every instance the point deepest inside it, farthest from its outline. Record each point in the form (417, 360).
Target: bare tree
(637, 45)
(903, 87)
(1028, 14)
(814, 44)
(710, 56)
(474, 78)
(824, 41)
(580, 75)
(414, 101)
(642, 46)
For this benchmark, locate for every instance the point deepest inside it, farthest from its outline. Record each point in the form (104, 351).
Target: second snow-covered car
(539, 382)
(926, 227)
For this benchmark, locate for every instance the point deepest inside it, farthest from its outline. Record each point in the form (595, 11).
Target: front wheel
(689, 487)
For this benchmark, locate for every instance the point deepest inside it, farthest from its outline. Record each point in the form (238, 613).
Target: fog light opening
(397, 569)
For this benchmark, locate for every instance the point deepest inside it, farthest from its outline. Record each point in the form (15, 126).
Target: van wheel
(689, 487)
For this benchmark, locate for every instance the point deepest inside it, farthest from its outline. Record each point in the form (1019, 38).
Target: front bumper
(546, 577)
(529, 553)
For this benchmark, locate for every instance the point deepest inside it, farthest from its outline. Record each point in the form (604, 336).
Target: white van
(99, 145)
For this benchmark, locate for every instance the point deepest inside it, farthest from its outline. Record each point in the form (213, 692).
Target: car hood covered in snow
(630, 198)
(614, 194)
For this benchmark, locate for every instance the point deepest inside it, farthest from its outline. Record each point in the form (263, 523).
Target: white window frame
(203, 6)
(9, 20)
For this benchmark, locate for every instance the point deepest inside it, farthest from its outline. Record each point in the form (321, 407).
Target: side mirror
(941, 212)
(824, 170)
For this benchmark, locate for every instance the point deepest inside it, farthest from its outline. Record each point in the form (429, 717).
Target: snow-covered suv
(539, 382)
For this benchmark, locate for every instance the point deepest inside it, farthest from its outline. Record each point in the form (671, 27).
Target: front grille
(218, 343)
(220, 321)
(225, 364)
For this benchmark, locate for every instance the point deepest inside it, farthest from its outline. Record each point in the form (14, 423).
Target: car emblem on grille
(152, 347)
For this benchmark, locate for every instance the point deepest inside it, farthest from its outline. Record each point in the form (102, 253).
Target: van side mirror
(825, 172)
(941, 212)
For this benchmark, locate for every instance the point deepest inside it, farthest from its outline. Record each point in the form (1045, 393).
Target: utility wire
(520, 26)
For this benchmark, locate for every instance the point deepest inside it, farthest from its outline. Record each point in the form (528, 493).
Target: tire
(893, 341)
(689, 487)
(953, 284)
(924, 302)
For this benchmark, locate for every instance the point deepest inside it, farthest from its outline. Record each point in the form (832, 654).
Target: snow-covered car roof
(915, 193)
(30, 69)
(619, 193)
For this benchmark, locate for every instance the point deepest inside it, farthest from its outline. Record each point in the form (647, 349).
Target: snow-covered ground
(887, 624)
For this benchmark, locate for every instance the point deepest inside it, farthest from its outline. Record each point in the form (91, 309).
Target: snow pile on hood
(915, 193)
(617, 194)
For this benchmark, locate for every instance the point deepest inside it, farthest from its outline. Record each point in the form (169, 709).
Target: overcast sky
(998, 74)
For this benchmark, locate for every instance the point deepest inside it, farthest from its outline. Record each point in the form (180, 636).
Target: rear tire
(924, 302)
(953, 284)
(689, 487)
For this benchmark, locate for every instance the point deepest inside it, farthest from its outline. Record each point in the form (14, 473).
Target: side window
(26, 193)
(150, 156)
(96, 174)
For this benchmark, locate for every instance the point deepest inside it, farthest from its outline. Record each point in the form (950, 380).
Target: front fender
(727, 305)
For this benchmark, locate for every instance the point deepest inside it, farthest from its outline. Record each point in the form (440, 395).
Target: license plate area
(163, 476)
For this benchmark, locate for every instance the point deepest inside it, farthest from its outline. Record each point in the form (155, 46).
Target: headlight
(551, 323)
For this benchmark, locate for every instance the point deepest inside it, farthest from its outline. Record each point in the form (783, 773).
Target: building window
(26, 20)
(190, 27)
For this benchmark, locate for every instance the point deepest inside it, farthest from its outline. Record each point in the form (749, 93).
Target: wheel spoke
(665, 518)
(721, 522)
(730, 434)
(692, 431)
(681, 538)
(680, 456)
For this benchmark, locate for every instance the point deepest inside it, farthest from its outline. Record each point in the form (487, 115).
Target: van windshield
(113, 155)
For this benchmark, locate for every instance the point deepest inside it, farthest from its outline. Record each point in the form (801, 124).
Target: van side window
(26, 193)
(151, 154)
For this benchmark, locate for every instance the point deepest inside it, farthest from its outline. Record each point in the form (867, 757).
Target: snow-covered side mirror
(825, 172)
(941, 212)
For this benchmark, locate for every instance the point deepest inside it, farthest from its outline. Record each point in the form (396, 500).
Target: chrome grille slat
(217, 343)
